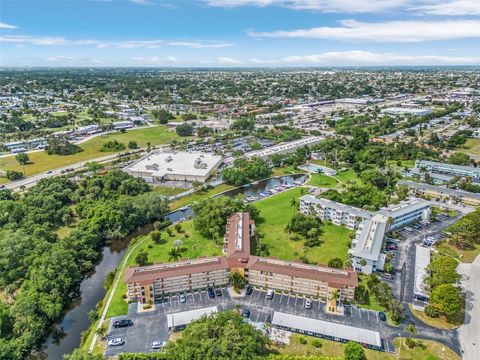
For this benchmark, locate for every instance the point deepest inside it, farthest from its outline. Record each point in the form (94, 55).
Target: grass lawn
(276, 212)
(41, 161)
(288, 170)
(169, 190)
(439, 323)
(194, 246)
(323, 181)
(199, 196)
(472, 146)
(466, 256)
(432, 350)
(348, 176)
(371, 303)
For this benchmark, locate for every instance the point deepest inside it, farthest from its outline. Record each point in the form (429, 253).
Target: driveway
(469, 332)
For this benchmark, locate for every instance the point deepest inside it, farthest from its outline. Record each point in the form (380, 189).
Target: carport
(327, 330)
(178, 321)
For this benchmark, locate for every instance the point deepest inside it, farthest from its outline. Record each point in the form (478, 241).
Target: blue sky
(235, 33)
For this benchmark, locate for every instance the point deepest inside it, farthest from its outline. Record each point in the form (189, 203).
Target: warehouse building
(181, 166)
(285, 147)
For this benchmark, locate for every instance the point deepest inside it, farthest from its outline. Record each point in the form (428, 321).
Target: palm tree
(174, 254)
(288, 229)
(215, 232)
(294, 204)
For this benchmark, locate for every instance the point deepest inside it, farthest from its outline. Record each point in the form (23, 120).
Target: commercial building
(327, 330)
(285, 147)
(125, 124)
(181, 166)
(337, 213)
(422, 260)
(449, 169)
(406, 111)
(441, 193)
(148, 283)
(19, 146)
(371, 227)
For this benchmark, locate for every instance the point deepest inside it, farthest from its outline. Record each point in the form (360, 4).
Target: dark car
(122, 323)
(218, 292)
(211, 293)
(246, 313)
(248, 290)
(382, 316)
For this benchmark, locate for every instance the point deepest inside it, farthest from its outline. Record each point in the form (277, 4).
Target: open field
(194, 245)
(472, 146)
(432, 350)
(169, 190)
(439, 322)
(466, 256)
(276, 212)
(348, 176)
(199, 196)
(41, 161)
(323, 181)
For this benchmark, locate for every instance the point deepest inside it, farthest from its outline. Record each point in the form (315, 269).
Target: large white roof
(186, 317)
(159, 164)
(326, 328)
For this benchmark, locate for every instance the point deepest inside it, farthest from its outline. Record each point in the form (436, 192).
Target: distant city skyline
(239, 33)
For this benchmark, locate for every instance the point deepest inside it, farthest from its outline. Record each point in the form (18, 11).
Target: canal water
(66, 335)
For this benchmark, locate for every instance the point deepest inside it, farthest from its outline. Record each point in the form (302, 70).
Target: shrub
(302, 340)
(316, 343)
(432, 311)
(112, 146)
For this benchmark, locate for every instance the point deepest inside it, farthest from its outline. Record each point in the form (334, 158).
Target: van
(270, 294)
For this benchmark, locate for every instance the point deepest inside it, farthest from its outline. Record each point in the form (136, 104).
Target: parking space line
(359, 312)
(376, 313)
(368, 314)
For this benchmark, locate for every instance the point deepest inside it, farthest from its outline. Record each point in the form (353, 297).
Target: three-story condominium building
(337, 213)
(449, 169)
(147, 283)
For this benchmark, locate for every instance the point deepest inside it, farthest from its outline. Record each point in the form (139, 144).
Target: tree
(397, 312)
(174, 254)
(22, 158)
(132, 144)
(13, 175)
(184, 130)
(142, 258)
(336, 263)
(354, 351)
(294, 204)
(237, 280)
(459, 158)
(443, 270)
(79, 354)
(93, 166)
(223, 335)
(446, 298)
(156, 236)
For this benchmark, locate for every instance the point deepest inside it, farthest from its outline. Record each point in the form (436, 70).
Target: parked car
(116, 342)
(246, 313)
(218, 292)
(270, 294)
(158, 344)
(382, 316)
(122, 323)
(183, 298)
(308, 304)
(211, 293)
(248, 290)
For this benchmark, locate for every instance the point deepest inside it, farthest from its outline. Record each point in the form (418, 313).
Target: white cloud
(172, 60)
(7, 26)
(125, 44)
(263, 61)
(141, 2)
(228, 61)
(345, 6)
(390, 31)
(451, 8)
(61, 58)
(358, 57)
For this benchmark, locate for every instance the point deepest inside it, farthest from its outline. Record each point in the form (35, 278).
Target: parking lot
(152, 325)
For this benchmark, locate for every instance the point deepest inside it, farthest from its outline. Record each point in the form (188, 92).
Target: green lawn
(348, 175)
(323, 181)
(199, 196)
(439, 323)
(194, 246)
(472, 146)
(40, 161)
(431, 350)
(169, 190)
(276, 212)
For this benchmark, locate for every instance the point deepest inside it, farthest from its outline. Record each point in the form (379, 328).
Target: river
(66, 334)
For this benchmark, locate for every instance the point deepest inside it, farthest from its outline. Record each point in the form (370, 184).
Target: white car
(183, 299)
(308, 304)
(116, 342)
(158, 344)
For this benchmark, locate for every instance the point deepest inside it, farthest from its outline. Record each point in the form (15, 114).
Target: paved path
(469, 332)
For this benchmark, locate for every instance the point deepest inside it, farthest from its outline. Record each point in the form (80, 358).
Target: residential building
(125, 124)
(406, 212)
(177, 166)
(441, 193)
(337, 213)
(449, 169)
(147, 283)
(285, 147)
(19, 146)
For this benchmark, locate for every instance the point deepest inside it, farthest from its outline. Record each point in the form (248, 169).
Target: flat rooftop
(159, 164)
(326, 203)
(186, 317)
(285, 147)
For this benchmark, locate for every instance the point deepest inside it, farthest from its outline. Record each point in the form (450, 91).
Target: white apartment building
(337, 213)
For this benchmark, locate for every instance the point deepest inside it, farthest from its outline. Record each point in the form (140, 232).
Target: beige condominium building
(147, 283)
